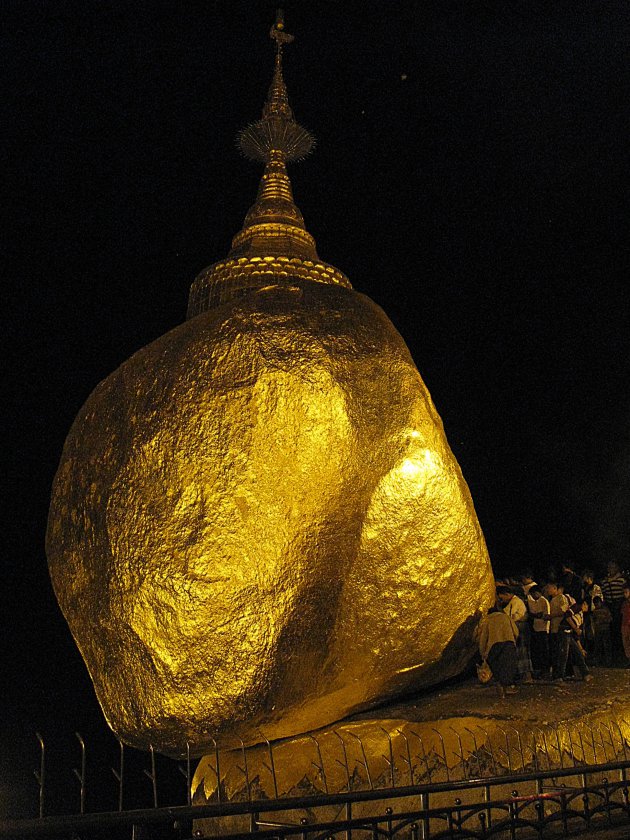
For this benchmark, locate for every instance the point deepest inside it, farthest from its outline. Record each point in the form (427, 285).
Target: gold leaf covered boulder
(257, 525)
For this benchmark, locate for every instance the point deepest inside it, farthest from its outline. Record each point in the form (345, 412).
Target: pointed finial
(273, 246)
(277, 32)
(277, 131)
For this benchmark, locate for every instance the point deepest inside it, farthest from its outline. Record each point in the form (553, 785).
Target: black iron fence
(545, 804)
(544, 783)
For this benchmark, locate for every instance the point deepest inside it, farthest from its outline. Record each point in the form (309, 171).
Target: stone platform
(460, 731)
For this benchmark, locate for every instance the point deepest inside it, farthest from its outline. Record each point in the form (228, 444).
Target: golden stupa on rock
(257, 525)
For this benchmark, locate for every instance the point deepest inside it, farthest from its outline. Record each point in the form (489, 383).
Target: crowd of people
(558, 630)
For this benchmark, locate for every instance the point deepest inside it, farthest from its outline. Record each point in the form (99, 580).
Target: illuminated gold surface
(257, 520)
(257, 525)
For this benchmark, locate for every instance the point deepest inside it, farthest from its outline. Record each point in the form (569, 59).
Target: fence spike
(560, 750)
(319, 766)
(490, 748)
(81, 774)
(390, 760)
(152, 776)
(476, 748)
(119, 774)
(601, 738)
(245, 770)
(40, 774)
(520, 744)
(461, 751)
(273, 766)
(425, 757)
(345, 758)
(623, 740)
(408, 758)
(507, 751)
(365, 761)
(448, 775)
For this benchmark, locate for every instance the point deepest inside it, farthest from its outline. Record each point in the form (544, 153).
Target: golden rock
(257, 525)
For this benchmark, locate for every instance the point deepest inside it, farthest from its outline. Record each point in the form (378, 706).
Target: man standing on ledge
(516, 609)
(497, 645)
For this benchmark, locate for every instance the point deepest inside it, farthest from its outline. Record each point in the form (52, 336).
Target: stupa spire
(277, 131)
(273, 244)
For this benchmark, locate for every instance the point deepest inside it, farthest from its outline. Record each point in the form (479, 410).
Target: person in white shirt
(591, 590)
(558, 605)
(539, 610)
(511, 604)
(527, 581)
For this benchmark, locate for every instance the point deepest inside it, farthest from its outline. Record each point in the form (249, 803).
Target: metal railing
(555, 780)
(563, 800)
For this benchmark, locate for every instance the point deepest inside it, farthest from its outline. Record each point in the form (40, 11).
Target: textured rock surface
(257, 525)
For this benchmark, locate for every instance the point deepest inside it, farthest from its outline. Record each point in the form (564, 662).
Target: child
(602, 619)
(625, 622)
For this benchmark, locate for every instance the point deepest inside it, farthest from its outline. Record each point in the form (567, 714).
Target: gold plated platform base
(454, 733)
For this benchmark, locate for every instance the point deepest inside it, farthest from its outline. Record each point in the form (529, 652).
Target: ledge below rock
(458, 732)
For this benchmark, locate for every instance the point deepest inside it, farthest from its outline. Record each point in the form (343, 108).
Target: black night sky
(471, 176)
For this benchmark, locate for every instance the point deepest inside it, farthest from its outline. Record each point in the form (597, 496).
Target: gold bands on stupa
(274, 245)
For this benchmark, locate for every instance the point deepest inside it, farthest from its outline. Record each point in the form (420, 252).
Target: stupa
(255, 515)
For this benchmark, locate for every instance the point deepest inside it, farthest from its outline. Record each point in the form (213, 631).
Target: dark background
(471, 176)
